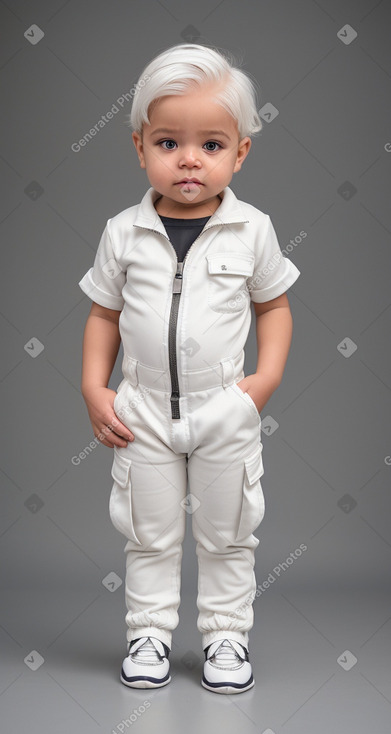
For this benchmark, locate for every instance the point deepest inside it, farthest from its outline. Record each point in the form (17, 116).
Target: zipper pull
(177, 284)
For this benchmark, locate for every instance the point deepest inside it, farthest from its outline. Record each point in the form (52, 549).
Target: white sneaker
(227, 668)
(147, 664)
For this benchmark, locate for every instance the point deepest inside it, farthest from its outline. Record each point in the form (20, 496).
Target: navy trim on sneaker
(230, 683)
(132, 678)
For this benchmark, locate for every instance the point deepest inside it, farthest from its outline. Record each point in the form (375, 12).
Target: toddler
(174, 277)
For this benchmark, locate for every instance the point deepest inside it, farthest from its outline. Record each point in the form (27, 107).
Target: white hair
(179, 68)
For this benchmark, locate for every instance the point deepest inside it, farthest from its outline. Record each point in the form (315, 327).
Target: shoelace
(146, 653)
(226, 656)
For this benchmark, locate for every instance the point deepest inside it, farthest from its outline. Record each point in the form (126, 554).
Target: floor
(321, 663)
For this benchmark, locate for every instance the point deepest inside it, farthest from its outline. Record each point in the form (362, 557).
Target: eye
(167, 141)
(170, 141)
(212, 142)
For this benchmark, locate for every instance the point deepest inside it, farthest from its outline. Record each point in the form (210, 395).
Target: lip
(190, 180)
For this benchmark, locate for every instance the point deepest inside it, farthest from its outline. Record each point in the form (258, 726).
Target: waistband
(223, 373)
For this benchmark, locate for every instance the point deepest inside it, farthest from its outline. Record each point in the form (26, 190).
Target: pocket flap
(221, 263)
(254, 465)
(120, 469)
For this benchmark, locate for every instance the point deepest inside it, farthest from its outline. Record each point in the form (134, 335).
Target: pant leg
(150, 481)
(224, 476)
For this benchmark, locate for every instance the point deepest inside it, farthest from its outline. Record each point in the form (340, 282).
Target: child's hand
(259, 389)
(107, 427)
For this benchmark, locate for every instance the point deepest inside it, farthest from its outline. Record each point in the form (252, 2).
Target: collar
(229, 211)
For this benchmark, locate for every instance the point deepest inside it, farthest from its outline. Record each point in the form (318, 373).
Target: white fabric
(215, 444)
(234, 260)
(216, 447)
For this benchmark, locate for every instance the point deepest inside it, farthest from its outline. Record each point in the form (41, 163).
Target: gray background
(321, 166)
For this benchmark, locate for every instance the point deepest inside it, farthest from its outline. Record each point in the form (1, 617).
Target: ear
(139, 148)
(243, 150)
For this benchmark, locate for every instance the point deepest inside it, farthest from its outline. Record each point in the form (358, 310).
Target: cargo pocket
(253, 501)
(227, 288)
(120, 504)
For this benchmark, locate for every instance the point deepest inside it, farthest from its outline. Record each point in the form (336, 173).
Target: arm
(274, 327)
(100, 348)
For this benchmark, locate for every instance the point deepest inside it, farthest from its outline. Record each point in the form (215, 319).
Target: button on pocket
(253, 500)
(120, 504)
(228, 272)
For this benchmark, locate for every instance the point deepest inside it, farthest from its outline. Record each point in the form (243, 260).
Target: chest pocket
(228, 272)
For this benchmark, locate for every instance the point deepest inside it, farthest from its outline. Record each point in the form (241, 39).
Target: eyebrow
(202, 132)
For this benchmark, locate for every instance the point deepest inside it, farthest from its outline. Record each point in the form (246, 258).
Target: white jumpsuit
(183, 328)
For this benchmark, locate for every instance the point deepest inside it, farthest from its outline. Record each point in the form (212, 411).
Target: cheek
(154, 159)
(162, 166)
(151, 162)
(224, 163)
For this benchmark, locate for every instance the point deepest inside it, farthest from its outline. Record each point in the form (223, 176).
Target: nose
(189, 157)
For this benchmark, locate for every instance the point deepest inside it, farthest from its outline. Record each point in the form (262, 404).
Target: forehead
(195, 110)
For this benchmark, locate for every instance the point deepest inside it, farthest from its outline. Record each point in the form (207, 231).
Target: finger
(110, 438)
(117, 440)
(105, 435)
(121, 442)
(120, 429)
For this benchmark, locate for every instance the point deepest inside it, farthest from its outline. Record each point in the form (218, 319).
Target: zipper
(173, 320)
(172, 327)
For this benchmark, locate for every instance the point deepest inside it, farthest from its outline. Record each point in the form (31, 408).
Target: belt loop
(227, 372)
(129, 369)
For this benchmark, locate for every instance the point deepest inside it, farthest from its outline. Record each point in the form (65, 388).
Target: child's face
(199, 140)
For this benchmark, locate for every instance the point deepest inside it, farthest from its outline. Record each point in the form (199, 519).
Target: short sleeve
(104, 282)
(273, 273)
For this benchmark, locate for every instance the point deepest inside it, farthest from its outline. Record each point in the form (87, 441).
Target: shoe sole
(144, 682)
(226, 688)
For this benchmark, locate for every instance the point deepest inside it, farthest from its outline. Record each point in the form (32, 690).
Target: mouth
(190, 181)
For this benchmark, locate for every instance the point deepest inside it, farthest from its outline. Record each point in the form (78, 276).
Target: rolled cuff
(108, 300)
(289, 275)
